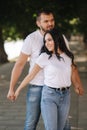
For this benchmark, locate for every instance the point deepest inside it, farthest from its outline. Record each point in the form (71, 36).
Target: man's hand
(79, 90)
(11, 95)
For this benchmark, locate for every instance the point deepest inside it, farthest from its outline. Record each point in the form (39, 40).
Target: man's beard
(44, 30)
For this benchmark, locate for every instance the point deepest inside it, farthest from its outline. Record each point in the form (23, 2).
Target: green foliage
(17, 17)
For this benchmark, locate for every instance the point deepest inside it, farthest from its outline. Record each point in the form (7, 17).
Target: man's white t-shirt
(57, 73)
(32, 46)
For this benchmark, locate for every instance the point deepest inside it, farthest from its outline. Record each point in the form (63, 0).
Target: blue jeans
(67, 125)
(33, 108)
(55, 105)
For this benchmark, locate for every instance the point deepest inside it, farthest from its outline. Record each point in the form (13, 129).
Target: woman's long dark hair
(59, 43)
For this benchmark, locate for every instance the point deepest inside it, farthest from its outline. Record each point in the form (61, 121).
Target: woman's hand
(17, 93)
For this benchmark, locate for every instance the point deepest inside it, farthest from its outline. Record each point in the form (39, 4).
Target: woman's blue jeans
(55, 105)
(33, 108)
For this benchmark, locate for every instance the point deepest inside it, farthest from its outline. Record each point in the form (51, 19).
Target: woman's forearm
(29, 77)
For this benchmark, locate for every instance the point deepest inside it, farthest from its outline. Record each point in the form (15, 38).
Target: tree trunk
(3, 55)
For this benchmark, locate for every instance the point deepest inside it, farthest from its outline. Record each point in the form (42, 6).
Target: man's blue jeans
(33, 108)
(55, 105)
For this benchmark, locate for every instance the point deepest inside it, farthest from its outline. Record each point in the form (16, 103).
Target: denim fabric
(55, 105)
(67, 125)
(33, 110)
(33, 107)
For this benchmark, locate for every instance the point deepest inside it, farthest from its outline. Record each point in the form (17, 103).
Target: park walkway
(12, 114)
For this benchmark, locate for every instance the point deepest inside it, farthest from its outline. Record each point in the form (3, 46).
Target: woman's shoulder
(42, 59)
(44, 55)
(66, 58)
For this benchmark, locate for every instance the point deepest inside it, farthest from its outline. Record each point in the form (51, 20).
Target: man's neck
(42, 32)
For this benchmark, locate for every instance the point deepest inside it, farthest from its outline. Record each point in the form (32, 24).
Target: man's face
(46, 22)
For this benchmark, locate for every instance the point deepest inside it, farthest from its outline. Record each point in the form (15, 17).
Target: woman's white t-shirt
(32, 46)
(57, 73)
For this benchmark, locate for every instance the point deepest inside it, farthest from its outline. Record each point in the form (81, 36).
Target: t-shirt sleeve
(41, 61)
(27, 46)
(66, 41)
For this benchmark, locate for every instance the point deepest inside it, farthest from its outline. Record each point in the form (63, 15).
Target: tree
(17, 18)
(82, 14)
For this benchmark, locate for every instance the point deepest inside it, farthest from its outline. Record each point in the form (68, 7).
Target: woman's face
(49, 42)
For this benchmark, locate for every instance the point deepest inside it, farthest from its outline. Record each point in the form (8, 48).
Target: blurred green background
(17, 19)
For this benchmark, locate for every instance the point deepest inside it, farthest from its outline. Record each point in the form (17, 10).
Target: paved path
(12, 115)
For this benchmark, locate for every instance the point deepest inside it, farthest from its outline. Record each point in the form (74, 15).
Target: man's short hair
(44, 11)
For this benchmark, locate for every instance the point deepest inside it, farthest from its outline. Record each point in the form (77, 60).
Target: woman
(56, 61)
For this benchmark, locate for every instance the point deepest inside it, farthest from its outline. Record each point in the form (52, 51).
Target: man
(31, 49)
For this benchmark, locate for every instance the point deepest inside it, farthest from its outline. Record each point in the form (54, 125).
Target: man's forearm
(16, 72)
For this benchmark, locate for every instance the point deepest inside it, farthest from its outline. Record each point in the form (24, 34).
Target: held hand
(11, 95)
(16, 94)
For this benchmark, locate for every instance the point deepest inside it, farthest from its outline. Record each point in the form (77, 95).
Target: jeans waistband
(33, 85)
(60, 89)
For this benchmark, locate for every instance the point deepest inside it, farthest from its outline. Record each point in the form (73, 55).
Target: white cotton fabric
(57, 73)
(32, 46)
(66, 41)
